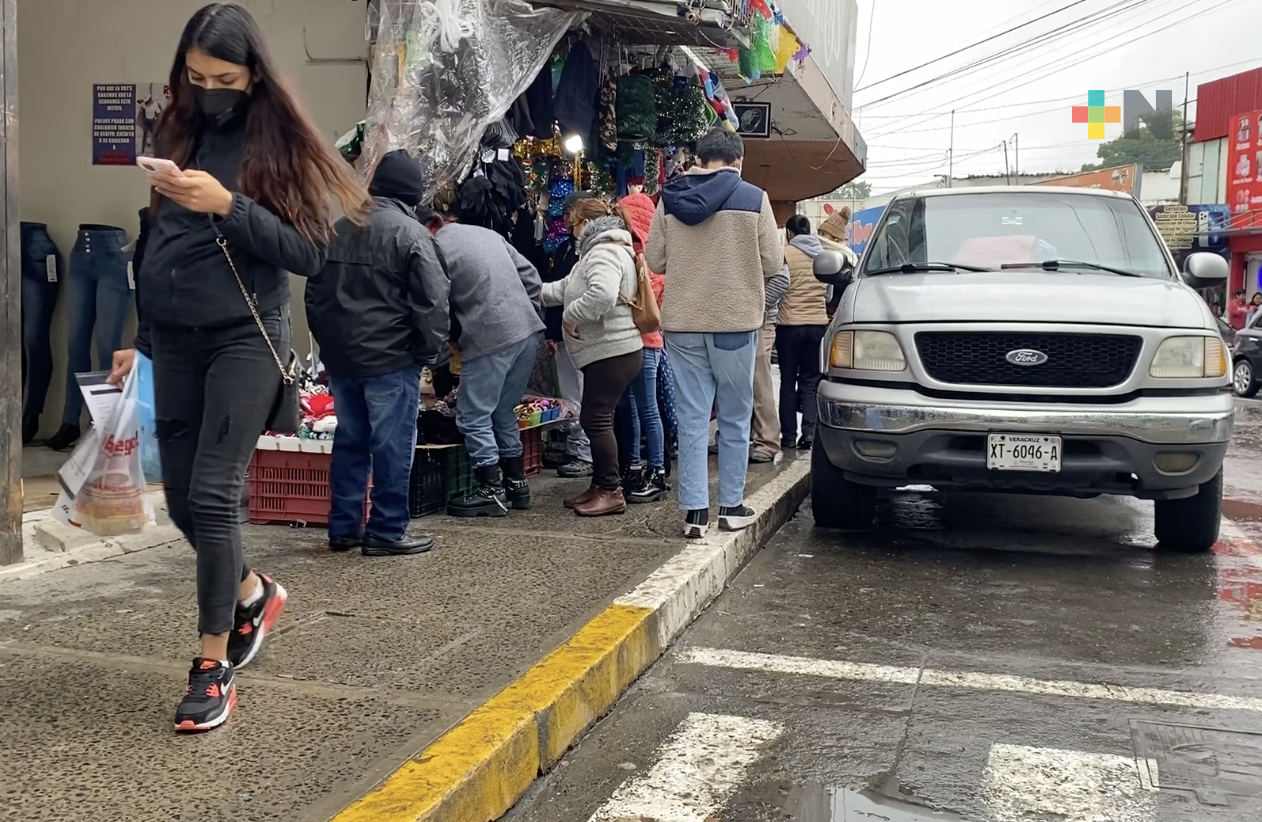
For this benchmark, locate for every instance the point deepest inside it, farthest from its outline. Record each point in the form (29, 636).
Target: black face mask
(222, 106)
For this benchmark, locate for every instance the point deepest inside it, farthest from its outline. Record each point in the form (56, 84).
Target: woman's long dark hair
(287, 166)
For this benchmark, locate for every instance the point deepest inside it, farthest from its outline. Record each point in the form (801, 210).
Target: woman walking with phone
(249, 197)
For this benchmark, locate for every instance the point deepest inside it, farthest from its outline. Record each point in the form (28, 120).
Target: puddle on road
(818, 804)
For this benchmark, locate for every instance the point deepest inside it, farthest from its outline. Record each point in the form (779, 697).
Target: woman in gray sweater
(601, 339)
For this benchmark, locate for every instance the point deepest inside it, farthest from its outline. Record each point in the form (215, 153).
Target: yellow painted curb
(478, 769)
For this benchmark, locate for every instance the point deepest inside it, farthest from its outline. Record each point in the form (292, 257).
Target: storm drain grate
(1212, 763)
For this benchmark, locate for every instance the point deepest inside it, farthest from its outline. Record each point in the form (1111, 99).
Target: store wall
(65, 46)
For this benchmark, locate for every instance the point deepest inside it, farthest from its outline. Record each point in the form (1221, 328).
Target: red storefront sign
(1244, 170)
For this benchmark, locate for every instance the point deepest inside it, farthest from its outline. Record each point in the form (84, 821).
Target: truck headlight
(1189, 358)
(867, 351)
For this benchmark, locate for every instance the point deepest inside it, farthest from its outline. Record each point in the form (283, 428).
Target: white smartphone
(156, 166)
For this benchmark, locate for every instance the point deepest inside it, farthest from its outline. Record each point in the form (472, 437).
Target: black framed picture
(755, 119)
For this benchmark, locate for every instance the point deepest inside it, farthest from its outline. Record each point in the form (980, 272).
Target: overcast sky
(1145, 45)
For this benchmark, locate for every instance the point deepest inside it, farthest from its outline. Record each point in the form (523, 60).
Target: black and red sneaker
(253, 622)
(209, 699)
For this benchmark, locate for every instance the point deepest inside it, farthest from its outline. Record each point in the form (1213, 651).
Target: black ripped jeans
(213, 391)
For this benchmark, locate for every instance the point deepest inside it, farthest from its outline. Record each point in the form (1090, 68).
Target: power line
(867, 50)
(971, 46)
(1041, 41)
(1056, 65)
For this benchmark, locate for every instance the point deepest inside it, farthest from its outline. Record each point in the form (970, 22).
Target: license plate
(1021, 452)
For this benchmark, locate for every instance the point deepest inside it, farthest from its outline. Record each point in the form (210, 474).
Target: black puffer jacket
(185, 282)
(381, 301)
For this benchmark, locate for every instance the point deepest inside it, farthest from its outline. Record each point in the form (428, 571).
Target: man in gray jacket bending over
(498, 328)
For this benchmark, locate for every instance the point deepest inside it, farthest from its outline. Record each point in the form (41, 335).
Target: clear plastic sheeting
(444, 70)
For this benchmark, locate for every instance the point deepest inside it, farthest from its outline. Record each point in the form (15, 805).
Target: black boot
(487, 499)
(66, 436)
(652, 487)
(632, 476)
(516, 489)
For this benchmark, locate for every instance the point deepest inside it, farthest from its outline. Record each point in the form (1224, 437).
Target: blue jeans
(376, 433)
(491, 387)
(98, 294)
(710, 368)
(641, 417)
(42, 271)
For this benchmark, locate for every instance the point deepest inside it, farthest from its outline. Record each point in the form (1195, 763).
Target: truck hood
(1028, 296)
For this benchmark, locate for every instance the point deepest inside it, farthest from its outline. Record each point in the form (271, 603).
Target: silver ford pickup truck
(1024, 340)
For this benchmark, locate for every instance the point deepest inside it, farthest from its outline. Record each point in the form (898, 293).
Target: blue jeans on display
(710, 368)
(99, 295)
(376, 435)
(491, 387)
(641, 416)
(43, 269)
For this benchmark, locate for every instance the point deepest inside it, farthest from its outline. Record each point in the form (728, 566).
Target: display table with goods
(288, 477)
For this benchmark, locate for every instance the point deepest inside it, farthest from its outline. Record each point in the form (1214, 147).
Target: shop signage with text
(1118, 178)
(1244, 175)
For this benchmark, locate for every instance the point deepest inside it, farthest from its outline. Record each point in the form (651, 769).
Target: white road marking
(696, 772)
(866, 672)
(1022, 783)
(689, 581)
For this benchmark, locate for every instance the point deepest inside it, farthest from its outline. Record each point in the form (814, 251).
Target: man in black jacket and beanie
(379, 310)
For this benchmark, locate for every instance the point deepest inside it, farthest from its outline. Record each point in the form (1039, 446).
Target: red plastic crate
(290, 487)
(532, 451)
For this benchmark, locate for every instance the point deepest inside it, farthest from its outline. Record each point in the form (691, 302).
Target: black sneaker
(404, 546)
(697, 523)
(806, 443)
(253, 622)
(575, 469)
(651, 488)
(787, 443)
(737, 519)
(209, 699)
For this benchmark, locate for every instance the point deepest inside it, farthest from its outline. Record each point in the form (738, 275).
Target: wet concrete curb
(478, 770)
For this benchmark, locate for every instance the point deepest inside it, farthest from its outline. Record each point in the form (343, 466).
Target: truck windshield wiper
(913, 268)
(1057, 265)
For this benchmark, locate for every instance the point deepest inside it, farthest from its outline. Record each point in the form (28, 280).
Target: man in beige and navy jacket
(715, 238)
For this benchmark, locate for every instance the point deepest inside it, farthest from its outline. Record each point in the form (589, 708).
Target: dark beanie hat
(575, 198)
(399, 177)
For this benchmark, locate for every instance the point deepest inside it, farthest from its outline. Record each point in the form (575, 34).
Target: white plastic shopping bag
(111, 500)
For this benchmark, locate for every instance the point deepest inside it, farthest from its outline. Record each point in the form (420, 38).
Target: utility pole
(10, 297)
(1183, 143)
(1016, 157)
(951, 154)
(1007, 171)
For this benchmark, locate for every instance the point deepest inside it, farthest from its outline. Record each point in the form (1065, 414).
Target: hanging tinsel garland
(636, 107)
(690, 110)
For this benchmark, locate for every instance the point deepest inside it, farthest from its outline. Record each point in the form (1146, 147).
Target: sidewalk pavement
(432, 687)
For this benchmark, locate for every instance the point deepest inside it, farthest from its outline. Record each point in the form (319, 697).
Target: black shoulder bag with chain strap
(286, 413)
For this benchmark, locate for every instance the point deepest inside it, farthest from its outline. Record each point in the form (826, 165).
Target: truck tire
(836, 501)
(1190, 526)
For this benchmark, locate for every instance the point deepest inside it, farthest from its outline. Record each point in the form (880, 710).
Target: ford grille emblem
(1026, 356)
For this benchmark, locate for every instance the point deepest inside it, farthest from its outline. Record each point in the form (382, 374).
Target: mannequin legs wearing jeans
(42, 272)
(214, 390)
(98, 294)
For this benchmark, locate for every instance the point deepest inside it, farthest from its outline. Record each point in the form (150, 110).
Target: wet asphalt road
(999, 659)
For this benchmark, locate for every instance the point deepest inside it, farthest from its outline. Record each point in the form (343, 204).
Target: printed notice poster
(124, 121)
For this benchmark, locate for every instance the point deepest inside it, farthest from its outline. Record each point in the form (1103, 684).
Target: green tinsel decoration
(690, 107)
(602, 181)
(664, 95)
(637, 107)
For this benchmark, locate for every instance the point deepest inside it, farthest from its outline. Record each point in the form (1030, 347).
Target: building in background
(1223, 168)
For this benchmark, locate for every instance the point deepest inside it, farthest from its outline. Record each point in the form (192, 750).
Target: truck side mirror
(1205, 270)
(833, 267)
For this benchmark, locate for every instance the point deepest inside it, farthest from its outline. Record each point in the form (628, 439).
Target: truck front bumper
(896, 436)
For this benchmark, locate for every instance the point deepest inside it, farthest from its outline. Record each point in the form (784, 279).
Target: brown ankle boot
(582, 499)
(603, 504)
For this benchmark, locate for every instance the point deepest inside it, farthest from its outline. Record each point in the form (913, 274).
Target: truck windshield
(1017, 232)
